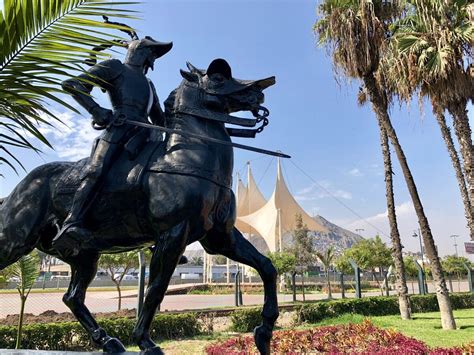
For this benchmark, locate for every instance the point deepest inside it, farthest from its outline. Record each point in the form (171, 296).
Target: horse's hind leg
(234, 246)
(84, 268)
(166, 256)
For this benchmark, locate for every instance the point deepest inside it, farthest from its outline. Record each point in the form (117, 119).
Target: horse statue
(176, 192)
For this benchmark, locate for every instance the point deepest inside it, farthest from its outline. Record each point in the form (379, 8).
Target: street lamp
(454, 236)
(415, 235)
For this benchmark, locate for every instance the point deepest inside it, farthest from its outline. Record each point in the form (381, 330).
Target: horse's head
(215, 90)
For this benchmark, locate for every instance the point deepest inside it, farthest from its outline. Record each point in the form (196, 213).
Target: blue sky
(312, 118)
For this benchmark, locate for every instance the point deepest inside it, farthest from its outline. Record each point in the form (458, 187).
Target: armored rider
(133, 97)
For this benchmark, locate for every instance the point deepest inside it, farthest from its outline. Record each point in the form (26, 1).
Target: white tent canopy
(277, 216)
(249, 200)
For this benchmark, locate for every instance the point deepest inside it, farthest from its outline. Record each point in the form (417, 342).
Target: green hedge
(246, 320)
(71, 335)
(377, 306)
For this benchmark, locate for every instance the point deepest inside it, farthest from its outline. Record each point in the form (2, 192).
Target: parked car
(127, 277)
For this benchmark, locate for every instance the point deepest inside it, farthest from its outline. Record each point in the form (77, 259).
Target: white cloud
(321, 190)
(355, 172)
(71, 139)
(442, 226)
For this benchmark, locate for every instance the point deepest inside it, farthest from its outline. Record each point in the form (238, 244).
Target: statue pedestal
(56, 352)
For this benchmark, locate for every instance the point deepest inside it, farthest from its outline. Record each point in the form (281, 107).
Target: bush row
(71, 335)
(377, 306)
(246, 320)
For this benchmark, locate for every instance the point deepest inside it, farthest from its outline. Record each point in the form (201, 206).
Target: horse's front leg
(234, 246)
(166, 256)
(84, 268)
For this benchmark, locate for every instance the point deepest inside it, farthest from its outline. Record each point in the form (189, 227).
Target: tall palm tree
(355, 31)
(327, 259)
(428, 54)
(43, 41)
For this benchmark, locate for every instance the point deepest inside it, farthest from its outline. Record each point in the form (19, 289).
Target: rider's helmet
(143, 52)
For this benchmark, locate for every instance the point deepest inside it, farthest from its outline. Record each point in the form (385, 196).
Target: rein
(122, 119)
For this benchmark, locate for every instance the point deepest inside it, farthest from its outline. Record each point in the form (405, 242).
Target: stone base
(56, 352)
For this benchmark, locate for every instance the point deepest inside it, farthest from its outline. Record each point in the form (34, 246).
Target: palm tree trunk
(403, 300)
(380, 105)
(329, 284)
(448, 139)
(463, 133)
(20, 322)
(302, 286)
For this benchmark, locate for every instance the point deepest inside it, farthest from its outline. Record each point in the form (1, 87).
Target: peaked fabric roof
(278, 215)
(249, 200)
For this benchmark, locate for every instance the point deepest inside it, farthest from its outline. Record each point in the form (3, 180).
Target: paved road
(107, 301)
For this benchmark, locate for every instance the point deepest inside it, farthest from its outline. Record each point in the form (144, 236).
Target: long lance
(209, 139)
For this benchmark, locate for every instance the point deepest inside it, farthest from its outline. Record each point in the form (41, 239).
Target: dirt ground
(54, 317)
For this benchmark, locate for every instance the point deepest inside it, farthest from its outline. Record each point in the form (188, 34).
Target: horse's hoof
(156, 350)
(262, 336)
(113, 346)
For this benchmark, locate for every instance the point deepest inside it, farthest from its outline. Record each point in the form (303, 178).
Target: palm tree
(427, 57)
(25, 271)
(327, 259)
(355, 31)
(397, 255)
(43, 42)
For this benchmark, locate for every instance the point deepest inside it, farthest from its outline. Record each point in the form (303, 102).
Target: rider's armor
(133, 97)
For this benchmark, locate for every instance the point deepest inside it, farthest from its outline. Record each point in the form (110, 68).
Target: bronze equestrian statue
(176, 191)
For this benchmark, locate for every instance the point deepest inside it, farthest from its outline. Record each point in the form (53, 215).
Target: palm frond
(429, 49)
(42, 43)
(26, 270)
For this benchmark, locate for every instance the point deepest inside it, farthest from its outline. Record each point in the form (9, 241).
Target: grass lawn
(424, 326)
(195, 345)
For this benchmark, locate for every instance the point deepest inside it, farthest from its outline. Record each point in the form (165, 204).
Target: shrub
(71, 335)
(341, 339)
(376, 306)
(245, 320)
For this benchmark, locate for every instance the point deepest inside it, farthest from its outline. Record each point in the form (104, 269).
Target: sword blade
(209, 139)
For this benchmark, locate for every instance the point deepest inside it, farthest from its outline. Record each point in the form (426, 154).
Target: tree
(370, 254)
(327, 259)
(283, 262)
(343, 265)
(219, 259)
(356, 32)
(196, 260)
(410, 270)
(427, 58)
(302, 249)
(42, 43)
(455, 265)
(118, 265)
(25, 270)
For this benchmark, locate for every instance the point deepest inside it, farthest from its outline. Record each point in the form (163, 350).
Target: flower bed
(347, 338)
